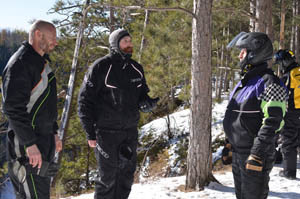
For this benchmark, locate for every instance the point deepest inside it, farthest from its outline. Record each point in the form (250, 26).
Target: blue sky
(16, 14)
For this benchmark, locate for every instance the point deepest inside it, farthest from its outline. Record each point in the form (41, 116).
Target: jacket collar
(257, 70)
(37, 56)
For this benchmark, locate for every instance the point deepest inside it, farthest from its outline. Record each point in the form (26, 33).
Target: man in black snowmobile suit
(254, 114)
(29, 103)
(290, 132)
(112, 92)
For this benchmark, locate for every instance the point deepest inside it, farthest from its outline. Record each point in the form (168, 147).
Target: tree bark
(269, 30)
(252, 17)
(292, 44)
(282, 24)
(199, 164)
(261, 19)
(111, 17)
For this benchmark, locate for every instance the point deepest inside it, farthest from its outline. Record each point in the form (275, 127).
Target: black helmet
(258, 45)
(114, 41)
(284, 58)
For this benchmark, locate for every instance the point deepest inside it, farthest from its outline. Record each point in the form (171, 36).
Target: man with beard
(112, 92)
(29, 102)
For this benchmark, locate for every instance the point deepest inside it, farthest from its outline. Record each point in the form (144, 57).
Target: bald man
(29, 102)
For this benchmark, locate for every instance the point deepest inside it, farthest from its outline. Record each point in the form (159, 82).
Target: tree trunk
(297, 33)
(62, 131)
(199, 166)
(143, 36)
(87, 181)
(217, 70)
(282, 24)
(292, 44)
(111, 17)
(261, 19)
(269, 31)
(252, 18)
(221, 82)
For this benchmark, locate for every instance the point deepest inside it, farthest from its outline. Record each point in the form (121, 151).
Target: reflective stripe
(106, 84)
(137, 70)
(38, 90)
(245, 111)
(18, 153)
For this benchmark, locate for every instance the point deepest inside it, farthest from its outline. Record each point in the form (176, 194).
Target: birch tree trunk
(143, 36)
(199, 164)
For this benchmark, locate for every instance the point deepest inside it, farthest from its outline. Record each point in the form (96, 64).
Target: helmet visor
(234, 40)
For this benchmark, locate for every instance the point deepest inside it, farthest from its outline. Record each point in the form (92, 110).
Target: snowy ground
(167, 188)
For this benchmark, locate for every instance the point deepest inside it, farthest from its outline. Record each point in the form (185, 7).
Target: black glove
(148, 104)
(227, 154)
(48, 169)
(254, 163)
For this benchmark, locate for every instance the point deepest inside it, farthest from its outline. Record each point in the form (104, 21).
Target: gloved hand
(227, 154)
(48, 169)
(148, 104)
(254, 163)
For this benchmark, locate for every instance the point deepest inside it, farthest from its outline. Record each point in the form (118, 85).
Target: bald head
(41, 26)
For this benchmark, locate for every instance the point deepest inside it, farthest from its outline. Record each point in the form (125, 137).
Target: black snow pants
(116, 156)
(26, 184)
(290, 142)
(250, 184)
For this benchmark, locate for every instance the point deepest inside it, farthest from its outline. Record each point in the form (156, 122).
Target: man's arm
(273, 106)
(16, 95)
(87, 102)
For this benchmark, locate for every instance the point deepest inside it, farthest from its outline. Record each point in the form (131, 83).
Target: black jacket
(110, 93)
(29, 95)
(291, 78)
(255, 112)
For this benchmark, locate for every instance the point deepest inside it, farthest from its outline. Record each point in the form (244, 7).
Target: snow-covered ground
(168, 188)
(172, 187)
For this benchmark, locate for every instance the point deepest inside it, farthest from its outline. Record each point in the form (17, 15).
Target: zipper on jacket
(38, 108)
(113, 96)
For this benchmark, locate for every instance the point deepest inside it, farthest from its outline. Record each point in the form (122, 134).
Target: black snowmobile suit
(291, 130)
(254, 113)
(29, 102)
(109, 112)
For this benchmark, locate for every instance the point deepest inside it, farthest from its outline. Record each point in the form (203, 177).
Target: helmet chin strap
(243, 65)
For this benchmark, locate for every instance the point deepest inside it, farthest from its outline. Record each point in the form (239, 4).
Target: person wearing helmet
(290, 132)
(254, 114)
(112, 93)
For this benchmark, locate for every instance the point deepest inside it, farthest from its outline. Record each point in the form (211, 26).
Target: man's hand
(148, 104)
(92, 143)
(58, 143)
(227, 154)
(254, 163)
(34, 155)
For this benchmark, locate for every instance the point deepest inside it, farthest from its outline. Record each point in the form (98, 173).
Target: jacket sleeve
(16, 95)
(273, 106)
(87, 102)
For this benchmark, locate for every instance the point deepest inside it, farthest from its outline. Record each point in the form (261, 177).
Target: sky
(16, 14)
